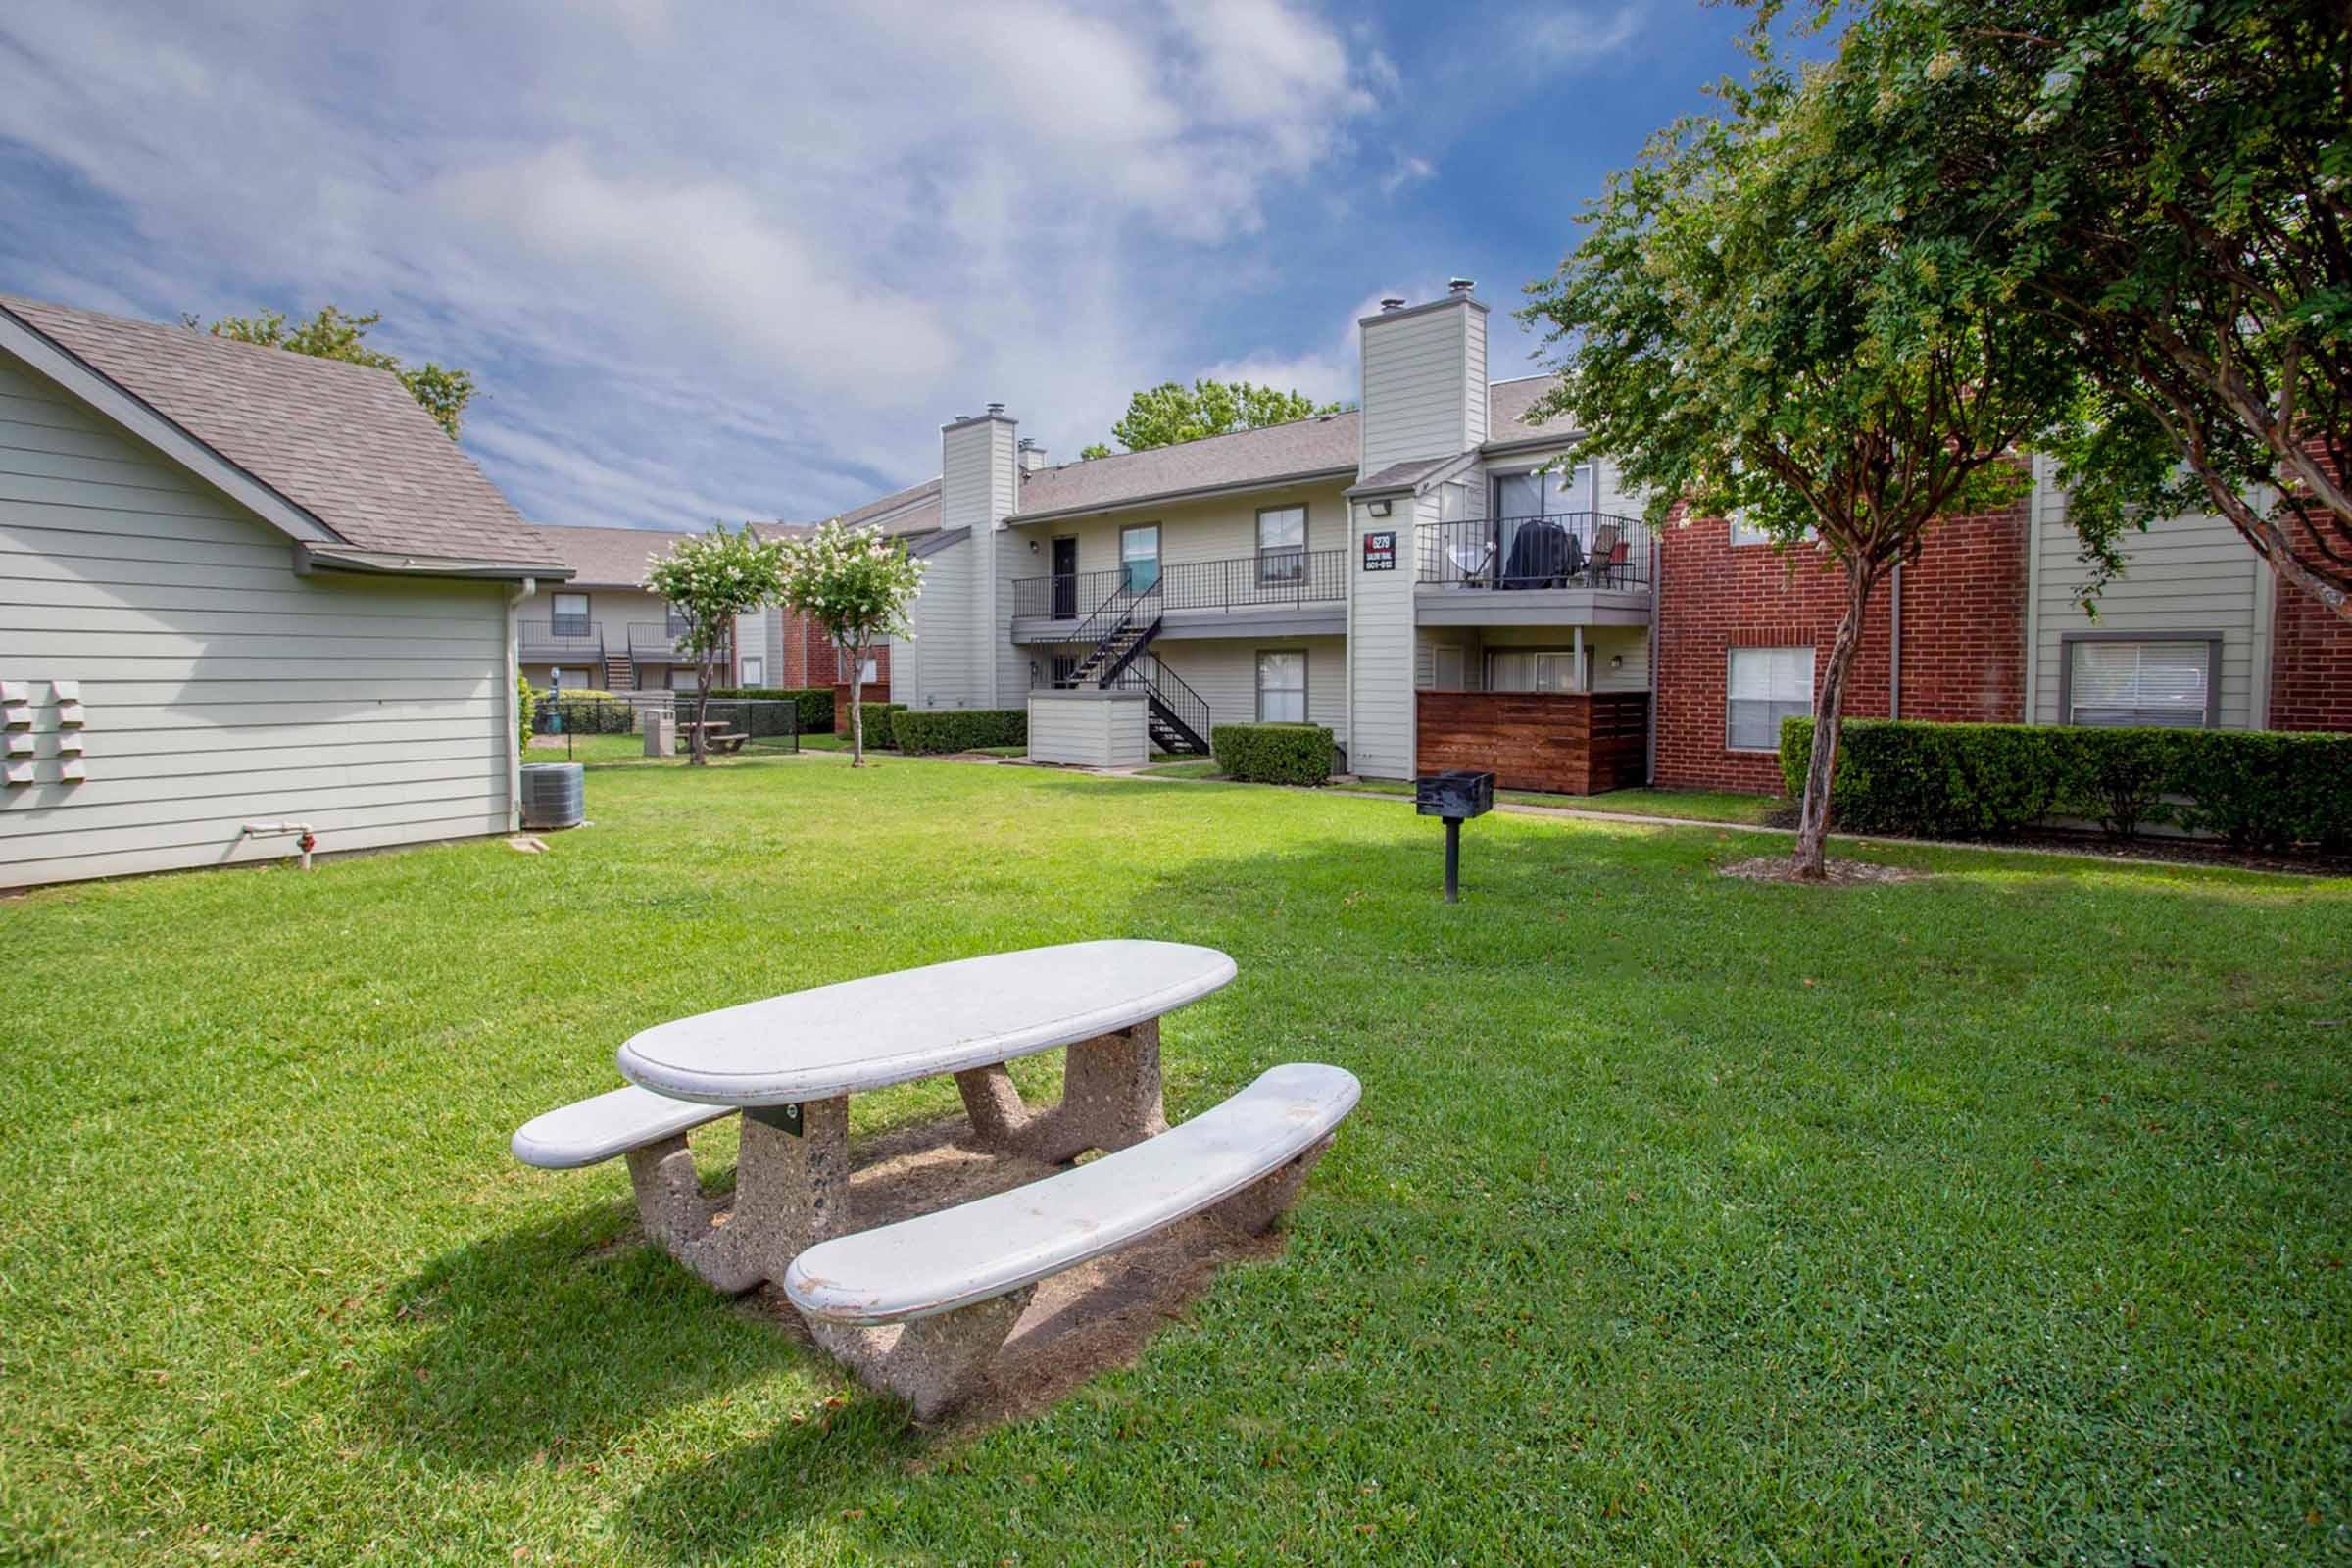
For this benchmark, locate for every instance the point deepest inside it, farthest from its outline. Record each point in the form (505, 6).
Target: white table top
(918, 1023)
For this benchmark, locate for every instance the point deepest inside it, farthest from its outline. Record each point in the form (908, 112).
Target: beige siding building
(242, 588)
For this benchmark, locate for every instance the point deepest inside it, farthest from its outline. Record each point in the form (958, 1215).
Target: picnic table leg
(792, 1190)
(1256, 1206)
(1110, 1097)
(669, 1196)
(994, 1103)
(930, 1362)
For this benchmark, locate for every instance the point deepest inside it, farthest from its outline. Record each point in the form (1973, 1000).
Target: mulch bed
(1842, 874)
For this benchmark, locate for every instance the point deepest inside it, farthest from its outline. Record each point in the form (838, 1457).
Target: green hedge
(586, 710)
(816, 702)
(2257, 789)
(934, 731)
(877, 726)
(1272, 753)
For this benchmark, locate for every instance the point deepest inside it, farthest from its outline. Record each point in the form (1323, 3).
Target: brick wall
(1964, 629)
(2311, 657)
(810, 658)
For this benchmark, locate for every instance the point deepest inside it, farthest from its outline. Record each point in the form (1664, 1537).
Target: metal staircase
(1120, 631)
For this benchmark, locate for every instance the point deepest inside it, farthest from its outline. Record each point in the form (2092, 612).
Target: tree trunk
(1829, 709)
(698, 742)
(856, 707)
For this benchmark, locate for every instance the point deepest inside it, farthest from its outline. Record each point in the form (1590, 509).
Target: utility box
(661, 731)
(1457, 794)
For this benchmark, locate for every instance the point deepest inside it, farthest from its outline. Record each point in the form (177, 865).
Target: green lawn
(1996, 1218)
(1696, 806)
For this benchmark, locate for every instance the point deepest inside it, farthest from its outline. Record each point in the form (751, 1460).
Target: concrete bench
(955, 1282)
(731, 741)
(649, 1130)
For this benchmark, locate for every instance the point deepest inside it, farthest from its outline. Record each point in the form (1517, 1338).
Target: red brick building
(1727, 603)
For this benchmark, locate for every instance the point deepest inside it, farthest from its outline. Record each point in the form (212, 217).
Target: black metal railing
(1064, 595)
(1126, 608)
(1173, 698)
(550, 641)
(1271, 578)
(1558, 550)
(652, 642)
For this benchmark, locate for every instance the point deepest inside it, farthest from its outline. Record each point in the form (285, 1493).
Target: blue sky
(724, 262)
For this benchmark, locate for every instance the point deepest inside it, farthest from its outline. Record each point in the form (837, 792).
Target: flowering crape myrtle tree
(709, 579)
(1747, 329)
(857, 585)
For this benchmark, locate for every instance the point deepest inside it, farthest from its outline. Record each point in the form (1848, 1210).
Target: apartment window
(1763, 686)
(754, 669)
(1281, 686)
(1139, 556)
(2171, 681)
(1531, 669)
(568, 615)
(679, 625)
(685, 678)
(1281, 544)
(1744, 532)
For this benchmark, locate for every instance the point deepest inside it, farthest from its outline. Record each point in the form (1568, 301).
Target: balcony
(1589, 567)
(1198, 598)
(560, 642)
(651, 642)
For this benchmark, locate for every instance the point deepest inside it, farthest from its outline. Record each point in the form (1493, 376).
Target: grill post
(1453, 860)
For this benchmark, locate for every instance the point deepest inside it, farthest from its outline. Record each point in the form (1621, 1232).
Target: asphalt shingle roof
(343, 442)
(1324, 443)
(609, 557)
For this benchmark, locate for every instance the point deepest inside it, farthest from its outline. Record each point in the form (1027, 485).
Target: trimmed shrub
(935, 731)
(524, 705)
(586, 710)
(877, 726)
(1273, 754)
(816, 702)
(2256, 789)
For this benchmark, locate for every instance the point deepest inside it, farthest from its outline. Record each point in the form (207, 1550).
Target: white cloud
(702, 261)
(1550, 37)
(1407, 171)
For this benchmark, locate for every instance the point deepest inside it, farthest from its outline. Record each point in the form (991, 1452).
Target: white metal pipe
(307, 841)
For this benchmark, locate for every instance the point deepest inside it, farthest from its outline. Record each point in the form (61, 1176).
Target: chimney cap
(1459, 285)
(1392, 301)
(996, 408)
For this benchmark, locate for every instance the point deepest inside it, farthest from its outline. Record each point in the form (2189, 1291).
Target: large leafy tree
(1747, 328)
(856, 584)
(443, 392)
(709, 579)
(1171, 412)
(2172, 181)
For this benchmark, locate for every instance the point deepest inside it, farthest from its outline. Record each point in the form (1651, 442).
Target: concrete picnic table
(791, 1062)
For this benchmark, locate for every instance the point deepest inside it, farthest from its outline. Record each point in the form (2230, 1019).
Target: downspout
(530, 586)
(1895, 649)
(1649, 748)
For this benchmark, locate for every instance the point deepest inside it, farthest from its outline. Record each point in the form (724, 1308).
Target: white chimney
(1032, 456)
(1423, 377)
(979, 481)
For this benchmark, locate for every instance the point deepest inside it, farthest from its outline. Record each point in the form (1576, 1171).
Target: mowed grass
(1996, 1218)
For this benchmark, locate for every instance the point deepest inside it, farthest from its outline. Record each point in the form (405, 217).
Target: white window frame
(755, 670)
(1791, 706)
(1578, 680)
(2070, 642)
(1127, 562)
(1282, 565)
(1258, 680)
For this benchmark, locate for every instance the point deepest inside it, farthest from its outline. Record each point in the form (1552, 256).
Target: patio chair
(1472, 562)
(1608, 553)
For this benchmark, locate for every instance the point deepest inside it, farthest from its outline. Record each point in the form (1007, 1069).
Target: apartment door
(1065, 579)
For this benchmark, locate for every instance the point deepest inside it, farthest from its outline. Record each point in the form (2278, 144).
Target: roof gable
(326, 450)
